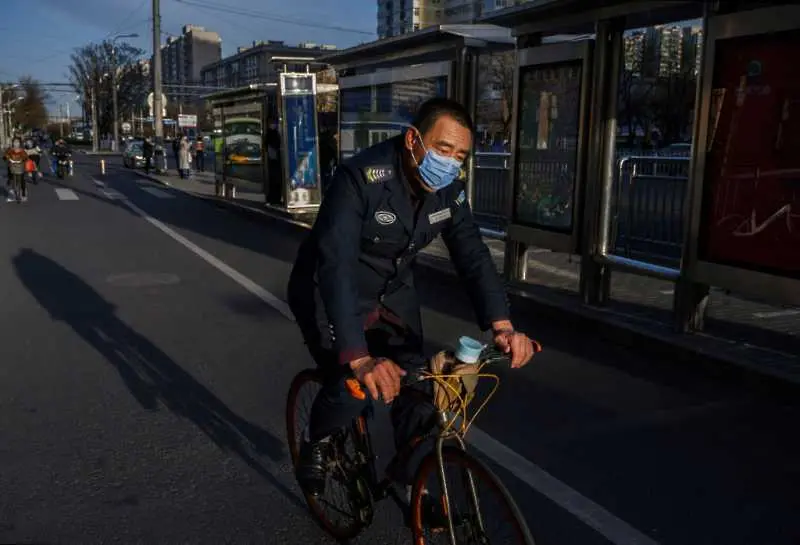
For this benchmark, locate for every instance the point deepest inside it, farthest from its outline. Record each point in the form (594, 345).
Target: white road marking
(65, 194)
(603, 522)
(667, 292)
(265, 296)
(777, 313)
(611, 527)
(158, 193)
(113, 195)
(98, 183)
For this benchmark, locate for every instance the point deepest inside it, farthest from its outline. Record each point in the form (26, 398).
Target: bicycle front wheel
(480, 508)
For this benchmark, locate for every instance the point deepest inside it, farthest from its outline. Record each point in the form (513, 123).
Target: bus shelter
(266, 143)
(733, 222)
(383, 83)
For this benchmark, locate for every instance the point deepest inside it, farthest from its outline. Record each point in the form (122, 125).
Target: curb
(700, 351)
(249, 212)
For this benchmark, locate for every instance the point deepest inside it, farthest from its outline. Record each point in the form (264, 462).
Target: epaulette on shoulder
(378, 174)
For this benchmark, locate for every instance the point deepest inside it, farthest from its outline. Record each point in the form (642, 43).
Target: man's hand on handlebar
(381, 376)
(514, 343)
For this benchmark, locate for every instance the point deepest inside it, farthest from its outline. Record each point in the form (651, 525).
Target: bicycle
(454, 388)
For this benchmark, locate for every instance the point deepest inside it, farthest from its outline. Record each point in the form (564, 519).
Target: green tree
(90, 73)
(31, 111)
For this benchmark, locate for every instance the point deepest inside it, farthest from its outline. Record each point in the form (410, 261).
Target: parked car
(133, 156)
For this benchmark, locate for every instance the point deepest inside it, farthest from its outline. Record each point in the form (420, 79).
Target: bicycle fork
(473, 491)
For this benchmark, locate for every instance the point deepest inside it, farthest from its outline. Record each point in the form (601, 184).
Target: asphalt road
(142, 394)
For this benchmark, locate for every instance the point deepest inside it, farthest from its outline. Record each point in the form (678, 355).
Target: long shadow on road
(150, 375)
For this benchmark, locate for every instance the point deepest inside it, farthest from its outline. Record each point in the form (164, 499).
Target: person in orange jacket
(15, 154)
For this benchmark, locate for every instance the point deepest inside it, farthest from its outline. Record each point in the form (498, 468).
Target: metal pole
(93, 93)
(61, 120)
(2, 121)
(69, 121)
(114, 95)
(158, 121)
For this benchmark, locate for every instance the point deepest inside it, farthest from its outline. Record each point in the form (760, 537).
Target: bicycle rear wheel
(472, 516)
(346, 506)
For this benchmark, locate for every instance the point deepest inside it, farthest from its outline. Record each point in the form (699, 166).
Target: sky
(43, 33)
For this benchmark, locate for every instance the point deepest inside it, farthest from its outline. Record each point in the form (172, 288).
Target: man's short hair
(431, 110)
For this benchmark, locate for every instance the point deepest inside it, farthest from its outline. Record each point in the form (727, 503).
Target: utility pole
(92, 97)
(114, 94)
(2, 122)
(158, 121)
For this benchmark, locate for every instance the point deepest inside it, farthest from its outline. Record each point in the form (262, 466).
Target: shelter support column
(691, 298)
(595, 281)
(466, 93)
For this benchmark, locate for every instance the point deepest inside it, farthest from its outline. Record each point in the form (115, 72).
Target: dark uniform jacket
(360, 254)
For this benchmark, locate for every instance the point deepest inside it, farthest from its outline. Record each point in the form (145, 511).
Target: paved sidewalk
(747, 333)
(249, 198)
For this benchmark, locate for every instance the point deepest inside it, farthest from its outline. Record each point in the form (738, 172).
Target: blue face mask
(438, 171)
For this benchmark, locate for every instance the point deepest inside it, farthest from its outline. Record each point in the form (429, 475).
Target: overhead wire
(233, 10)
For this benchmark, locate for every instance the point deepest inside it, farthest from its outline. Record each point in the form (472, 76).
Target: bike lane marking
(602, 521)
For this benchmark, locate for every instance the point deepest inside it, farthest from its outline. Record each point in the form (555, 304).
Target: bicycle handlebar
(490, 355)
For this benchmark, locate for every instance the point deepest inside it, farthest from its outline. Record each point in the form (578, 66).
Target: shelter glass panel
(547, 145)
(751, 215)
(370, 115)
(242, 131)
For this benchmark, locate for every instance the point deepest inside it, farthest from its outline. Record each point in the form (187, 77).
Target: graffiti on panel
(752, 179)
(547, 145)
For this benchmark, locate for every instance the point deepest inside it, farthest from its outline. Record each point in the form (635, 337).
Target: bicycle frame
(447, 432)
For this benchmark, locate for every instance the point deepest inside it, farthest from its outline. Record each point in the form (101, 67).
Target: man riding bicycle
(352, 285)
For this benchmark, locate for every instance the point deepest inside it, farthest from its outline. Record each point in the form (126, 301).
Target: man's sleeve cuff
(346, 356)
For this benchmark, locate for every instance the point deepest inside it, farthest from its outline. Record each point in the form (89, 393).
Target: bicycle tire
(453, 456)
(340, 533)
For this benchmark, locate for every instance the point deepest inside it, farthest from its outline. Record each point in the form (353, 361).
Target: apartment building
(663, 51)
(254, 63)
(182, 59)
(397, 17)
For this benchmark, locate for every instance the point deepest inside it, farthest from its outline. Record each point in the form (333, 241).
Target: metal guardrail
(647, 204)
(647, 210)
(493, 186)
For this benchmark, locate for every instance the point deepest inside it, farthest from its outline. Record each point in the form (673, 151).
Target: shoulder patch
(377, 175)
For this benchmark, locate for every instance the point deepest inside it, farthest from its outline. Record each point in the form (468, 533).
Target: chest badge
(376, 175)
(441, 215)
(385, 218)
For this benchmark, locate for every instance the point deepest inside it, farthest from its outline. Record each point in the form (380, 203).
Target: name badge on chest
(441, 215)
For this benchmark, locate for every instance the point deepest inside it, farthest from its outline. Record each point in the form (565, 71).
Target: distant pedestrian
(200, 154)
(176, 148)
(147, 151)
(184, 157)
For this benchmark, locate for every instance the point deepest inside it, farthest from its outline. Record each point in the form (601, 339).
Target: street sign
(151, 98)
(188, 121)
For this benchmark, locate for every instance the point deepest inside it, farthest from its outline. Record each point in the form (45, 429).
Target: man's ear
(408, 141)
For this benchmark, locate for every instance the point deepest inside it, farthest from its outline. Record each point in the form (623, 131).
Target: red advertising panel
(751, 215)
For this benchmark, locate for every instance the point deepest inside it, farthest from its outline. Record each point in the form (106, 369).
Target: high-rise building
(253, 63)
(182, 59)
(397, 17)
(670, 50)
